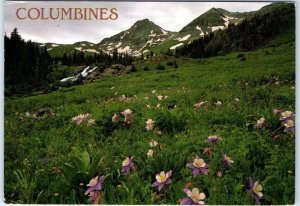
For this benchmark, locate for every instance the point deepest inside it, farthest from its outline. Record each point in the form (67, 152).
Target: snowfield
(175, 46)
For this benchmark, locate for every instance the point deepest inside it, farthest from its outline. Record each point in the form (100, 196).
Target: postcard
(149, 103)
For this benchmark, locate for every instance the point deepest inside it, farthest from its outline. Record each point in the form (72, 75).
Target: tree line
(248, 35)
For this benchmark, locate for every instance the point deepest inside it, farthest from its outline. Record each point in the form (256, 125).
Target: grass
(39, 152)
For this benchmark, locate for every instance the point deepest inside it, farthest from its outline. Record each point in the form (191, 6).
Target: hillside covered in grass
(51, 155)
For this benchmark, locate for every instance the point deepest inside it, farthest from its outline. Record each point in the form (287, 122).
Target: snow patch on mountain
(54, 45)
(82, 44)
(146, 50)
(216, 28)
(152, 34)
(184, 38)
(78, 48)
(119, 44)
(49, 49)
(201, 32)
(125, 49)
(175, 46)
(226, 19)
(91, 50)
(164, 32)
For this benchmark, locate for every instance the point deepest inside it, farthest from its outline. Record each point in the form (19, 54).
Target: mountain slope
(139, 38)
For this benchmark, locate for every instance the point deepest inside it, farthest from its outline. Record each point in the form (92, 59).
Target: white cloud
(169, 15)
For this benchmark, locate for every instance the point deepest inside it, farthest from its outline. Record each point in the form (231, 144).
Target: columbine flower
(91, 122)
(81, 118)
(255, 189)
(207, 150)
(260, 123)
(150, 124)
(289, 126)
(153, 143)
(115, 118)
(162, 179)
(127, 165)
(219, 173)
(159, 97)
(218, 103)
(128, 116)
(150, 153)
(194, 197)
(213, 139)
(286, 115)
(95, 184)
(95, 197)
(198, 166)
(227, 160)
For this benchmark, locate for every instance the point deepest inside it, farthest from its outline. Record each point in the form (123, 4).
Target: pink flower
(194, 197)
(95, 184)
(128, 115)
(115, 118)
(255, 189)
(127, 165)
(81, 118)
(213, 139)
(150, 124)
(260, 123)
(91, 122)
(227, 160)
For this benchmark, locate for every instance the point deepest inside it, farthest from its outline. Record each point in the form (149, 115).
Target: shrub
(160, 67)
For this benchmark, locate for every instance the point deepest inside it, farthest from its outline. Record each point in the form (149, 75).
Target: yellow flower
(196, 196)
(162, 177)
(257, 188)
(198, 162)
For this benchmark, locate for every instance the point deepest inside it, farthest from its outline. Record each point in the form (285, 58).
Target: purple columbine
(162, 179)
(289, 126)
(213, 139)
(95, 197)
(127, 165)
(227, 160)
(260, 123)
(198, 166)
(287, 115)
(194, 197)
(95, 184)
(255, 189)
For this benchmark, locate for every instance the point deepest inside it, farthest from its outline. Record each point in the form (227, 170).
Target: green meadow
(51, 159)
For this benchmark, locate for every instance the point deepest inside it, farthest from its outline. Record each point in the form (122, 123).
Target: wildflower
(162, 179)
(153, 92)
(198, 166)
(95, 197)
(218, 103)
(150, 124)
(112, 87)
(158, 106)
(286, 115)
(213, 139)
(91, 122)
(207, 150)
(166, 97)
(122, 98)
(159, 97)
(194, 197)
(148, 106)
(289, 126)
(255, 189)
(150, 153)
(95, 184)
(81, 118)
(260, 123)
(219, 173)
(236, 100)
(277, 83)
(128, 116)
(227, 160)
(115, 118)
(158, 132)
(153, 143)
(199, 105)
(146, 98)
(127, 165)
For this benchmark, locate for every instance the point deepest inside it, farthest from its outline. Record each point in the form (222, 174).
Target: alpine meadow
(204, 115)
